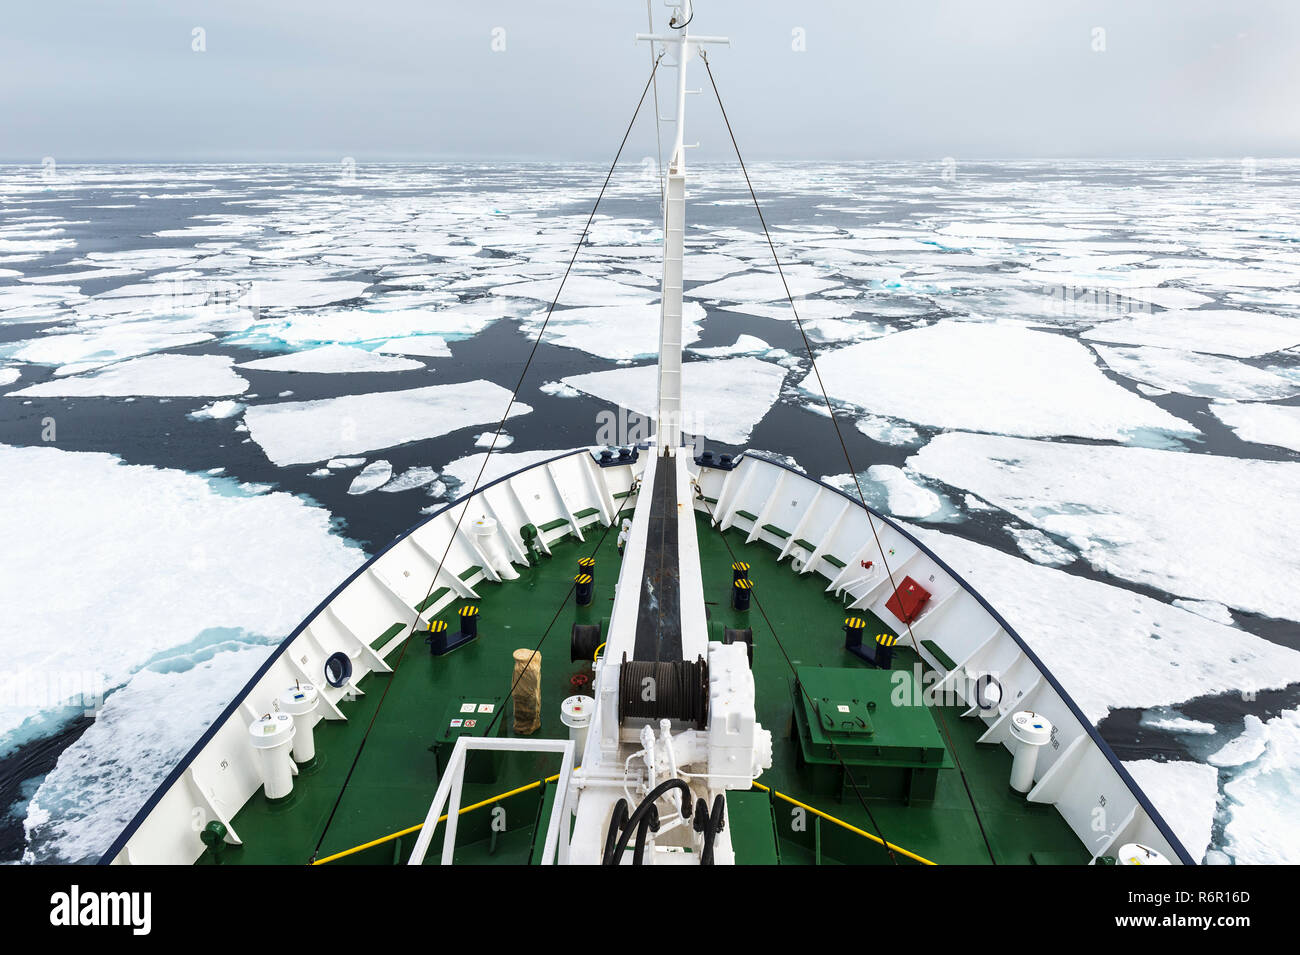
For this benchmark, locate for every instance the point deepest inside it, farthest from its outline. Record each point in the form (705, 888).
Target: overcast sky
(419, 79)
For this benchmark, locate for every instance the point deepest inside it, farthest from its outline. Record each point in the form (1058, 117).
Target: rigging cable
(659, 143)
(479, 477)
(943, 725)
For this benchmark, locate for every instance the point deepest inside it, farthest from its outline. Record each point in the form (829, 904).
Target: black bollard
(468, 621)
(740, 590)
(583, 589)
(853, 628)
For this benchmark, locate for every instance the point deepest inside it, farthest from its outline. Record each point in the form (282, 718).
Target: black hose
(649, 823)
(647, 804)
(615, 825)
(712, 828)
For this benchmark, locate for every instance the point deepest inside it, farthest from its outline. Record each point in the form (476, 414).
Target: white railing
(449, 788)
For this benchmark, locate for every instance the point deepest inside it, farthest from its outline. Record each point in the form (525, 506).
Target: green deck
(395, 778)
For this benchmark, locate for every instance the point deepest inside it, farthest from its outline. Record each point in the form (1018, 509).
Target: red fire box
(908, 600)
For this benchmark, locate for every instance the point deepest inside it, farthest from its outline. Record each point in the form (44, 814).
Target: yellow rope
(596, 656)
(443, 818)
(851, 828)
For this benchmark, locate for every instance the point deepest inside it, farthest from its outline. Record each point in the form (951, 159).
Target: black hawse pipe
(633, 821)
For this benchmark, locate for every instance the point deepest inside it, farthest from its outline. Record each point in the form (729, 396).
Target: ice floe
(745, 345)
(303, 432)
(558, 389)
(373, 324)
(725, 398)
(83, 351)
(903, 496)
(1276, 425)
(218, 409)
(615, 332)
(206, 555)
(1155, 654)
(765, 285)
(297, 293)
(489, 439)
(101, 780)
(1197, 374)
(1197, 526)
(886, 431)
(1038, 547)
(426, 346)
(1209, 610)
(1261, 825)
(332, 360)
(1176, 724)
(1211, 330)
(1186, 795)
(1246, 747)
(409, 479)
(374, 475)
(578, 290)
(999, 378)
(196, 376)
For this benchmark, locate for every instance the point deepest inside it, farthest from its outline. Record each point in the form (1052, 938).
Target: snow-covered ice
(903, 497)
(1186, 794)
(373, 475)
(1197, 374)
(1176, 724)
(332, 360)
(409, 479)
(578, 290)
(615, 332)
(725, 399)
(303, 432)
(1209, 610)
(1197, 526)
(1169, 656)
(1000, 378)
(298, 293)
(84, 351)
(765, 285)
(1038, 547)
(206, 556)
(224, 408)
(101, 780)
(1211, 330)
(426, 346)
(1261, 825)
(490, 439)
(193, 376)
(1276, 425)
(1246, 747)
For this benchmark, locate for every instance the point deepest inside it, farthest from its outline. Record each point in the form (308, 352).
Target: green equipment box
(878, 725)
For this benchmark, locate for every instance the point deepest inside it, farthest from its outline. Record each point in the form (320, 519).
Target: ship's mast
(669, 416)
